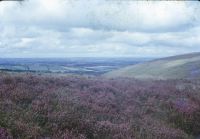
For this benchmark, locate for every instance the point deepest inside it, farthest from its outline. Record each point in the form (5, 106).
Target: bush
(33, 106)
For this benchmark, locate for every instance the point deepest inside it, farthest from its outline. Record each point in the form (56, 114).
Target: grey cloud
(107, 15)
(98, 28)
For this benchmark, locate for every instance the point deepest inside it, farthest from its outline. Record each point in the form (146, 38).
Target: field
(80, 66)
(74, 107)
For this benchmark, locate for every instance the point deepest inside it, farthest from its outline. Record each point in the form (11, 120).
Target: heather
(77, 107)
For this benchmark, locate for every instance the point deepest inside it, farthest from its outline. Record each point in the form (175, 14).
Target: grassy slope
(182, 66)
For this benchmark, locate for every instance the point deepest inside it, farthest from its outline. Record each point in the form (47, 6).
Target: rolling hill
(174, 67)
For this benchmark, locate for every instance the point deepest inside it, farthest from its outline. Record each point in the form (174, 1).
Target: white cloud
(60, 28)
(113, 15)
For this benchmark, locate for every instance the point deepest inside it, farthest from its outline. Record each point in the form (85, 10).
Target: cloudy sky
(98, 28)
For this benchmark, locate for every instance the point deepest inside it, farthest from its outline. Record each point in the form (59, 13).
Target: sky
(98, 28)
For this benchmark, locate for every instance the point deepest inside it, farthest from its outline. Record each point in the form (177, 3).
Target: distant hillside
(81, 66)
(175, 67)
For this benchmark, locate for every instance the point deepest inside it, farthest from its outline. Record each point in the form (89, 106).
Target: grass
(167, 68)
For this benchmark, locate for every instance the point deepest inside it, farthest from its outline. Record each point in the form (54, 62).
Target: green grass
(177, 67)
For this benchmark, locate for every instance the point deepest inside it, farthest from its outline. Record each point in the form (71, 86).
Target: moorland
(40, 105)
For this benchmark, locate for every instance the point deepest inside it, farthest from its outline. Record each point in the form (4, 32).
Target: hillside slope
(175, 67)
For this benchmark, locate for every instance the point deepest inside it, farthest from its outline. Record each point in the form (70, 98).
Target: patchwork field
(80, 66)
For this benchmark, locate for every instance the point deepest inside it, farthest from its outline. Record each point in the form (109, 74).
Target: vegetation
(40, 107)
(80, 66)
(176, 67)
